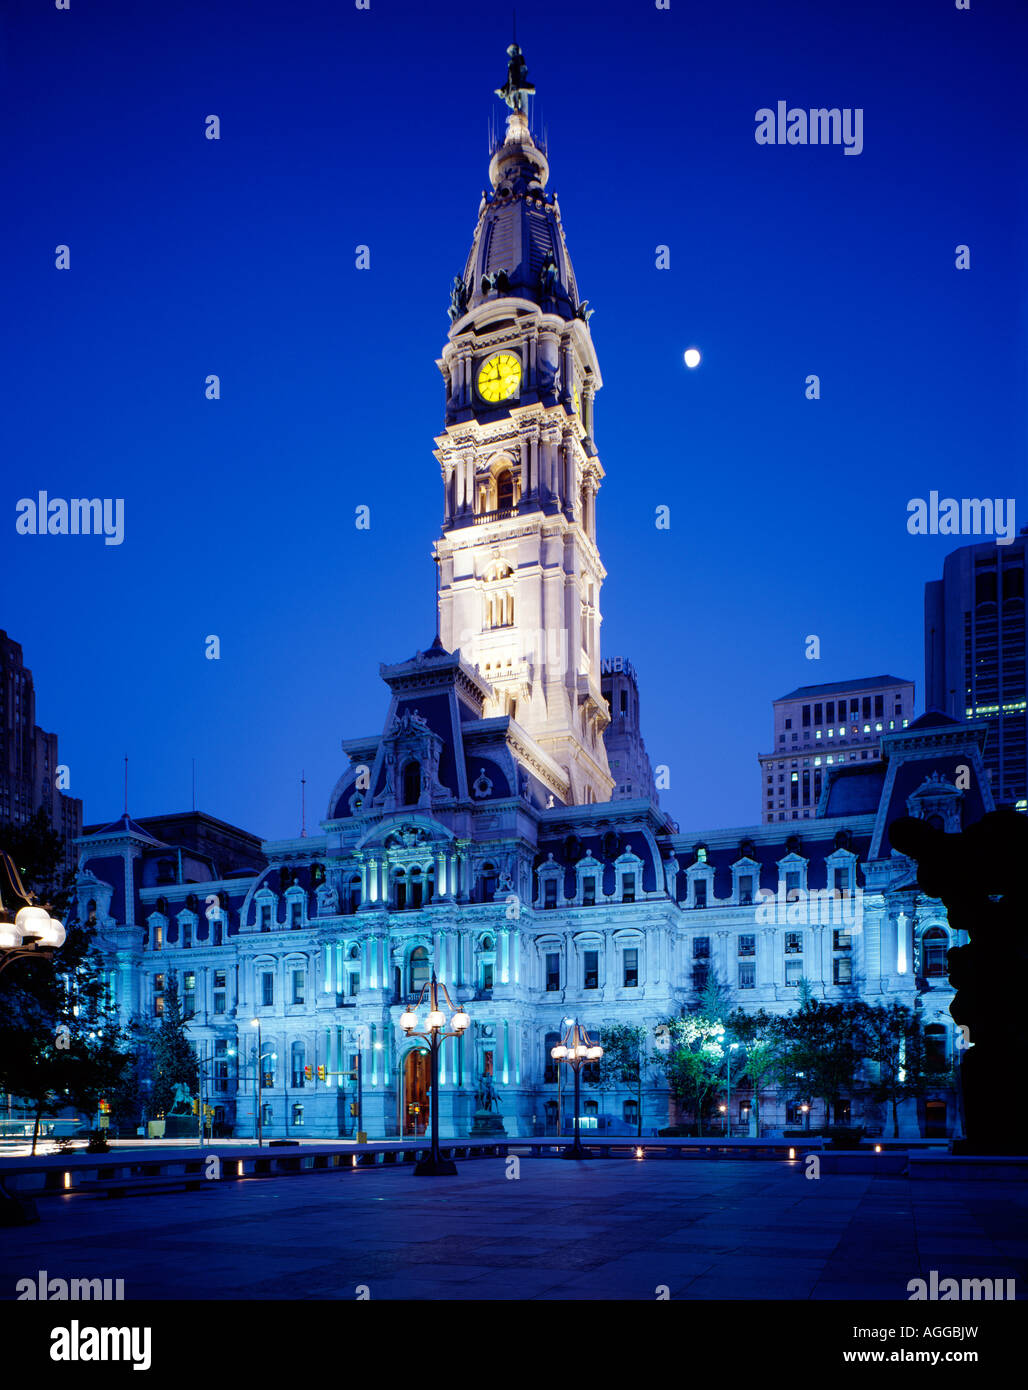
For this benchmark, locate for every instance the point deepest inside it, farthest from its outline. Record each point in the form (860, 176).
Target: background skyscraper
(975, 641)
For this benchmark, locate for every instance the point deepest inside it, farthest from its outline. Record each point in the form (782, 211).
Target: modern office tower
(31, 773)
(975, 640)
(821, 726)
(626, 752)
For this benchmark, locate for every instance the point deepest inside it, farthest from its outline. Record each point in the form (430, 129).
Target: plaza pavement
(610, 1229)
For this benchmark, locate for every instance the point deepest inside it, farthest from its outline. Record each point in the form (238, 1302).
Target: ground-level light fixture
(575, 1048)
(692, 357)
(434, 1032)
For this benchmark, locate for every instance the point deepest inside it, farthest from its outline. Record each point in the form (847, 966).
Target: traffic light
(196, 1107)
(321, 1073)
(308, 1073)
(354, 1108)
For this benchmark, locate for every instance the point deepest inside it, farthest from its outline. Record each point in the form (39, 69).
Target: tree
(761, 1037)
(904, 1065)
(624, 1058)
(693, 1061)
(60, 1044)
(823, 1045)
(172, 1057)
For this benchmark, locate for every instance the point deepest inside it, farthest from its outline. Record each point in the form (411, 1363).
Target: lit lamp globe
(435, 1018)
(10, 935)
(692, 357)
(558, 1052)
(408, 1020)
(33, 921)
(593, 1053)
(460, 1021)
(581, 1050)
(54, 934)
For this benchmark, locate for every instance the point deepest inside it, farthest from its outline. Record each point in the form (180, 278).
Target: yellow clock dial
(500, 377)
(578, 404)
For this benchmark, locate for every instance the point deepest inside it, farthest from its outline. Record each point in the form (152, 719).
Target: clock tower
(519, 569)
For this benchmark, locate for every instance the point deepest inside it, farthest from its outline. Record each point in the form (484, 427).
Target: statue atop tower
(517, 86)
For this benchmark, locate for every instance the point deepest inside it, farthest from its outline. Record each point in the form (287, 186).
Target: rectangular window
(550, 893)
(699, 892)
(793, 943)
(842, 940)
(830, 712)
(793, 971)
(158, 940)
(879, 706)
(267, 989)
(817, 714)
(589, 891)
(842, 970)
(840, 880)
(792, 881)
(747, 974)
(788, 723)
(487, 975)
(591, 969)
(552, 972)
(748, 945)
(187, 936)
(806, 716)
(221, 1064)
(746, 889)
(219, 991)
(355, 982)
(188, 994)
(158, 995)
(628, 888)
(631, 968)
(701, 948)
(296, 913)
(299, 977)
(865, 707)
(265, 917)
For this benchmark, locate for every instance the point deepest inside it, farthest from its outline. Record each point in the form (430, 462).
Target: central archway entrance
(417, 1078)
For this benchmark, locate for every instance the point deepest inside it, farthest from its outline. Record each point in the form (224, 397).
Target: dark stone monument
(979, 875)
(487, 1118)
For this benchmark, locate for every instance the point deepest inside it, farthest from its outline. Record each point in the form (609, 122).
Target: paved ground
(705, 1229)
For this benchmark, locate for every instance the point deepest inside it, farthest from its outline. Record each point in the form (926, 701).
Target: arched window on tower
(499, 596)
(412, 783)
(505, 490)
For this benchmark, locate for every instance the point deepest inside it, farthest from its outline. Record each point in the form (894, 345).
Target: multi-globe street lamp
(434, 1033)
(258, 1078)
(26, 926)
(576, 1049)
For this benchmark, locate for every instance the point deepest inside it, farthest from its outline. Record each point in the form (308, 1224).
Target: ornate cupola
(519, 569)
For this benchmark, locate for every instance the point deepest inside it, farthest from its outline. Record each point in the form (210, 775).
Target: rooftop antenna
(194, 784)
(126, 784)
(303, 804)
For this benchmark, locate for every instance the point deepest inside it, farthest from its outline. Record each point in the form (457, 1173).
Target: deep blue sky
(342, 127)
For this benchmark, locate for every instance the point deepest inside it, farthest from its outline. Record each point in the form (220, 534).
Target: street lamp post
(575, 1049)
(728, 1111)
(26, 927)
(257, 1080)
(435, 1165)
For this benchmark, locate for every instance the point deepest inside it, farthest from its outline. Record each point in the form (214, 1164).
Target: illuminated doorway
(417, 1078)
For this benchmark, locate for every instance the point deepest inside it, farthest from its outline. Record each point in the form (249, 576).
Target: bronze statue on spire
(517, 86)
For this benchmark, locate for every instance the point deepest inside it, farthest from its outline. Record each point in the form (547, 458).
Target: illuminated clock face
(578, 403)
(500, 377)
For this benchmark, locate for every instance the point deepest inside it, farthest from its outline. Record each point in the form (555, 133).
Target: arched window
(490, 882)
(505, 489)
(417, 887)
(90, 912)
(400, 889)
(934, 947)
(412, 783)
(499, 596)
(354, 893)
(418, 969)
(298, 1057)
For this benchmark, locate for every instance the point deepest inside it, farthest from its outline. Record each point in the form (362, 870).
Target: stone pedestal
(486, 1122)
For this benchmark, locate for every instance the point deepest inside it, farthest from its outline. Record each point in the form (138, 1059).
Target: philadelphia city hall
(503, 830)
